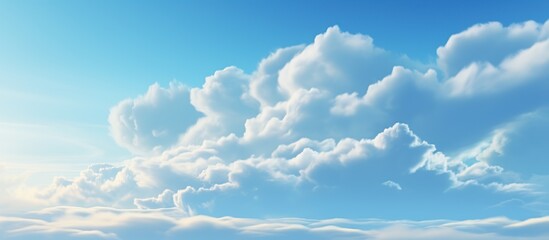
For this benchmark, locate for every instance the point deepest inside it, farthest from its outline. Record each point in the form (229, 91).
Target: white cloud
(391, 184)
(264, 83)
(100, 184)
(202, 173)
(391, 95)
(313, 169)
(153, 121)
(343, 84)
(226, 101)
(491, 58)
(490, 42)
(478, 77)
(480, 94)
(298, 126)
(338, 62)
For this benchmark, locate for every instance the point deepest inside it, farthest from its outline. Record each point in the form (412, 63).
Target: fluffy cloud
(490, 42)
(325, 130)
(264, 83)
(154, 120)
(298, 177)
(226, 101)
(97, 185)
(477, 91)
(344, 84)
(339, 62)
(106, 223)
(489, 58)
(307, 96)
(527, 65)
(163, 117)
(389, 95)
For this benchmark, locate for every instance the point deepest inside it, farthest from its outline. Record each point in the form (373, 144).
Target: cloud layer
(107, 223)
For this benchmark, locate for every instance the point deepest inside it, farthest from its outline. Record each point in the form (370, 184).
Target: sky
(274, 119)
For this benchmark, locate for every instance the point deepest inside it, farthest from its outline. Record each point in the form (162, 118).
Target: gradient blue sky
(67, 62)
(66, 66)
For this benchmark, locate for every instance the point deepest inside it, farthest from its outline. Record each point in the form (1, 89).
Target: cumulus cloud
(390, 93)
(153, 121)
(307, 173)
(304, 98)
(524, 138)
(344, 84)
(490, 57)
(226, 102)
(479, 94)
(526, 65)
(100, 184)
(324, 130)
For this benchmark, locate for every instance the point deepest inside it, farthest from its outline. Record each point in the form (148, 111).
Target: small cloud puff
(391, 184)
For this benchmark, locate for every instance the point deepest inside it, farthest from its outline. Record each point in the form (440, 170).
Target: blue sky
(256, 119)
(67, 63)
